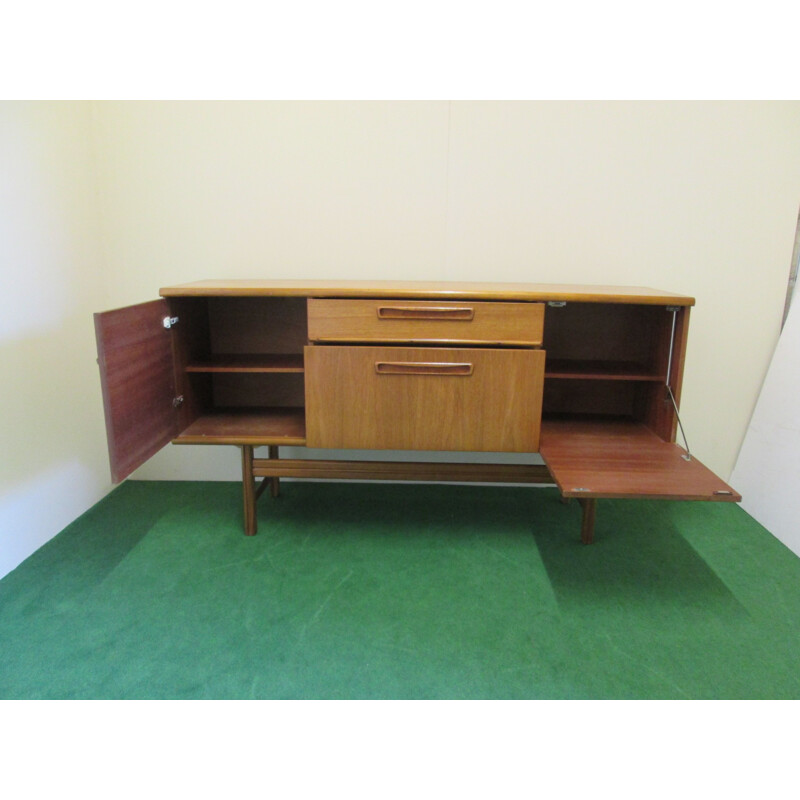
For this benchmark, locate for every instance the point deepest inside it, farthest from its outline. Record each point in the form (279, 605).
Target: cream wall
(53, 464)
(103, 203)
(697, 198)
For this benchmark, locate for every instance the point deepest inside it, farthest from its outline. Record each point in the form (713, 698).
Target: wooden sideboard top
(428, 290)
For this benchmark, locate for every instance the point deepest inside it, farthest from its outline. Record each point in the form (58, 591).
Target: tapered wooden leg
(275, 483)
(589, 507)
(249, 491)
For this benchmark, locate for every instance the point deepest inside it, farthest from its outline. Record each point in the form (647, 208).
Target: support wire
(688, 455)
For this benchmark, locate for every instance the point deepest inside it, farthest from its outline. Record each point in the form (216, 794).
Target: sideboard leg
(274, 483)
(589, 507)
(249, 491)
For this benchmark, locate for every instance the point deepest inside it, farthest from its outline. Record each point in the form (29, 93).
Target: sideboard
(589, 377)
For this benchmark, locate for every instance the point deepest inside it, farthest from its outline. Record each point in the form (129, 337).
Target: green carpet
(400, 591)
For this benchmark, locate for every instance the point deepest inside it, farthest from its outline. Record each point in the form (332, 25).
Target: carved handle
(422, 368)
(444, 313)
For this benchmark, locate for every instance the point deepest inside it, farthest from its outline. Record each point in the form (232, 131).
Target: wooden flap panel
(624, 459)
(134, 352)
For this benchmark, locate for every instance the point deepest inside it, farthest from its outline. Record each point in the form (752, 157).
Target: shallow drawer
(518, 324)
(400, 398)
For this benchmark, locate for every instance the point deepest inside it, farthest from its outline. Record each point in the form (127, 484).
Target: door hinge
(177, 402)
(170, 321)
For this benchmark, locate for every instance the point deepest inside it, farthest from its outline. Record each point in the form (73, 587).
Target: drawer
(401, 398)
(400, 321)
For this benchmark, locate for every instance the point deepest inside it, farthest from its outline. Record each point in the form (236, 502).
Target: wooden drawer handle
(426, 312)
(422, 368)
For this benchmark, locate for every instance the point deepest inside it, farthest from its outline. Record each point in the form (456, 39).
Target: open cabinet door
(134, 352)
(589, 459)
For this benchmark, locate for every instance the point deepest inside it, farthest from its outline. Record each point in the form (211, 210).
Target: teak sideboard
(589, 377)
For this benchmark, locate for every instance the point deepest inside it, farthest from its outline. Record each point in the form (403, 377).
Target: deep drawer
(450, 322)
(398, 398)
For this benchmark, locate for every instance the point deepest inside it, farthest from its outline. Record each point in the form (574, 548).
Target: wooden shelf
(599, 371)
(266, 362)
(252, 426)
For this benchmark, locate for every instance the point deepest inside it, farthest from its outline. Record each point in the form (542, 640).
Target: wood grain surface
(266, 426)
(495, 406)
(591, 459)
(460, 323)
(428, 290)
(134, 353)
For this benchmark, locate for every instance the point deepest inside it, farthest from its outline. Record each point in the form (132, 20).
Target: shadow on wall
(55, 464)
(52, 404)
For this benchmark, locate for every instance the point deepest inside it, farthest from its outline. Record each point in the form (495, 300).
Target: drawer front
(398, 398)
(401, 321)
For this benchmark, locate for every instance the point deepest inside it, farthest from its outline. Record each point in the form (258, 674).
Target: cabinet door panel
(134, 352)
(595, 459)
(398, 398)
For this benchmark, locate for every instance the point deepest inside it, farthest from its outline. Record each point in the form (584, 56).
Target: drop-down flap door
(589, 459)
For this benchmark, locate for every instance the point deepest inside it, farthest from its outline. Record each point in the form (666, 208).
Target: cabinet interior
(239, 368)
(608, 362)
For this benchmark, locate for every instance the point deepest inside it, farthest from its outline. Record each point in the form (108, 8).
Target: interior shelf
(599, 370)
(262, 362)
(253, 426)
